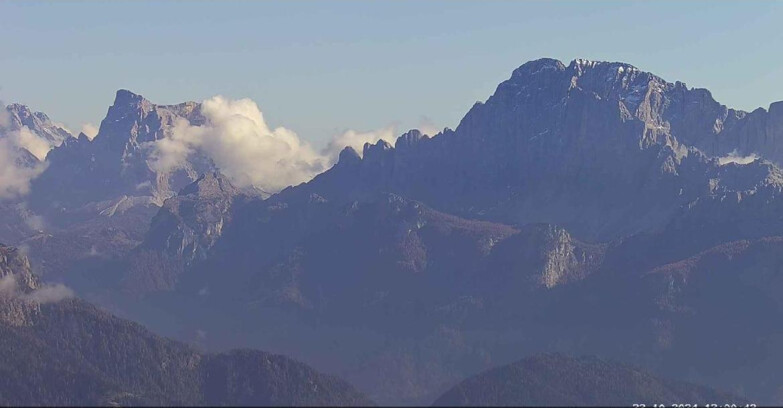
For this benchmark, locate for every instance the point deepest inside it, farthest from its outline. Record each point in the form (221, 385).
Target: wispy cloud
(21, 152)
(356, 140)
(89, 130)
(427, 126)
(9, 287)
(16, 170)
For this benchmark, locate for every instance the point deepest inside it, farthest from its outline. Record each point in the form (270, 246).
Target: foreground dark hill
(64, 351)
(558, 380)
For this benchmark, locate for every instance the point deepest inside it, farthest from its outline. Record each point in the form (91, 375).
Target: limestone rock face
(117, 161)
(190, 223)
(539, 256)
(181, 234)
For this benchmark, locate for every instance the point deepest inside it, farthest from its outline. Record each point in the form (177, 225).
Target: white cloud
(427, 127)
(144, 185)
(8, 285)
(49, 294)
(62, 126)
(356, 140)
(89, 130)
(241, 144)
(26, 139)
(42, 295)
(734, 157)
(15, 172)
(17, 168)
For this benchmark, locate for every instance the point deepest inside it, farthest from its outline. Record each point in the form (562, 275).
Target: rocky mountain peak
(377, 148)
(409, 139)
(608, 80)
(38, 122)
(586, 64)
(348, 156)
(127, 100)
(117, 162)
(132, 120)
(539, 66)
(22, 111)
(380, 153)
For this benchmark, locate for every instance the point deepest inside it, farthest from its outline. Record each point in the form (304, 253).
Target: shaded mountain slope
(406, 277)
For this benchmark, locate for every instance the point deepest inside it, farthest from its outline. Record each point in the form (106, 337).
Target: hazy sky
(322, 67)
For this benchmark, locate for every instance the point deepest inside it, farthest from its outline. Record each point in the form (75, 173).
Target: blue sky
(322, 67)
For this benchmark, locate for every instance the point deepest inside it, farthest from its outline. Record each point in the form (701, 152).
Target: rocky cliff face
(181, 234)
(14, 264)
(542, 255)
(16, 280)
(116, 162)
(190, 223)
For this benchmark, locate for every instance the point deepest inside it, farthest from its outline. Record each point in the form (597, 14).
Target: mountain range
(588, 208)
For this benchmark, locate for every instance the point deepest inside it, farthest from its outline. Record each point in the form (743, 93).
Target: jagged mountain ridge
(19, 116)
(628, 147)
(643, 125)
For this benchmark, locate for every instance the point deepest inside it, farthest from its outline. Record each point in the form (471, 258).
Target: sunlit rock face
(116, 162)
